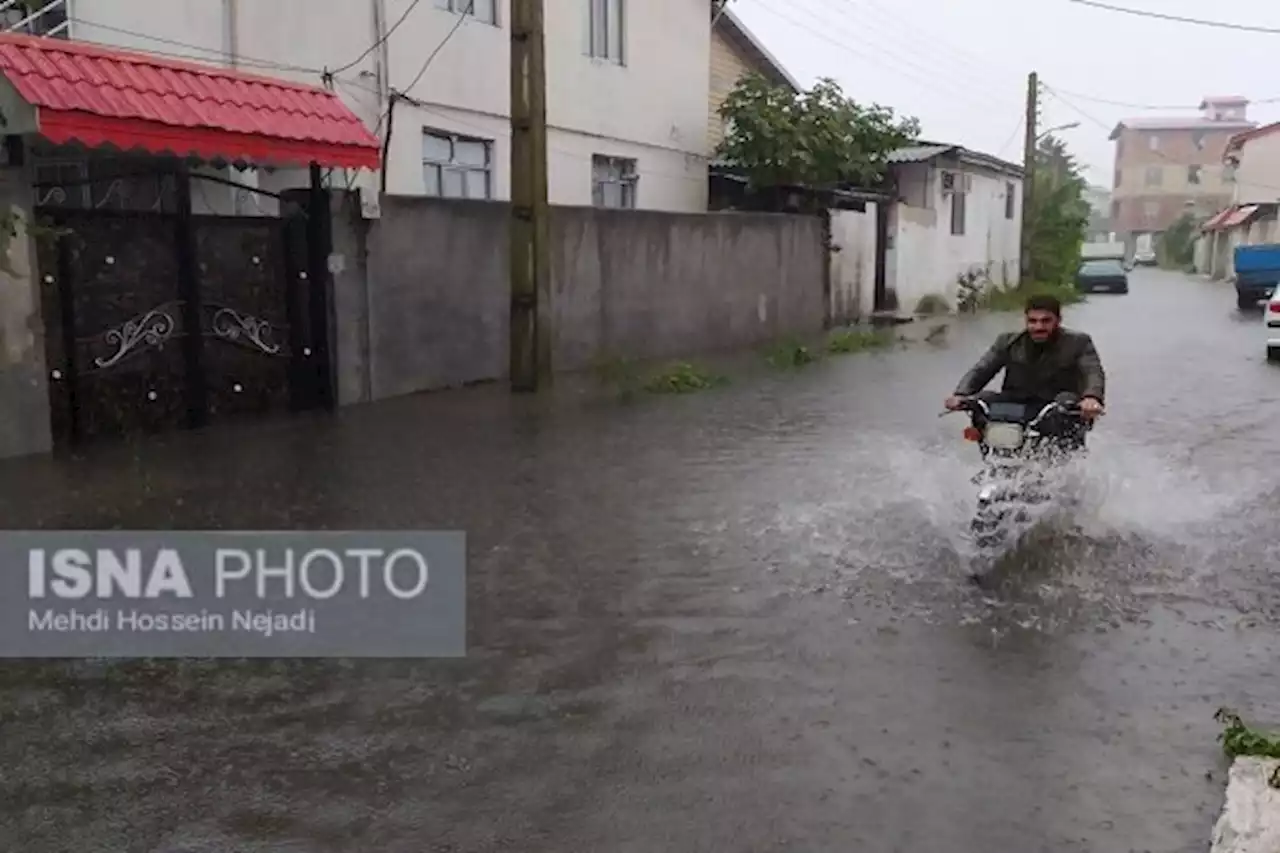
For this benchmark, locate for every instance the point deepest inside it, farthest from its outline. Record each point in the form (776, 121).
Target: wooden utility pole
(1029, 173)
(530, 231)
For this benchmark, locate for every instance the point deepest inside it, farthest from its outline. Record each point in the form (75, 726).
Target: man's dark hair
(1044, 302)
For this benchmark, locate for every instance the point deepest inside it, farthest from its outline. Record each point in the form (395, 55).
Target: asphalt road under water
(735, 621)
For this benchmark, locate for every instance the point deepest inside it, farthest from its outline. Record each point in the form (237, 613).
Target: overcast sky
(961, 67)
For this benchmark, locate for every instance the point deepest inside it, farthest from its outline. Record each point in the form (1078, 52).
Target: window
(457, 166)
(613, 182)
(957, 213)
(605, 29)
(1010, 199)
(1198, 140)
(1151, 209)
(481, 10)
(1229, 173)
(1119, 176)
(1153, 142)
(1154, 176)
(1193, 174)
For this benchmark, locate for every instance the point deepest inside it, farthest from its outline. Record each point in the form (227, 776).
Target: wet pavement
(733, 621)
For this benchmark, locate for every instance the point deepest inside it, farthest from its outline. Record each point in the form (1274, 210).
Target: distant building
(1167, 166)
(1100, 227)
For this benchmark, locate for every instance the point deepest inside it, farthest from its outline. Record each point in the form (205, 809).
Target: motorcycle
(1021, 444)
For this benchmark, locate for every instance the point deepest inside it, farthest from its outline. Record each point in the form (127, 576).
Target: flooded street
(732, 621)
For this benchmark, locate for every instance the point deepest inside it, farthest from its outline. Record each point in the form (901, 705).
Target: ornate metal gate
(156, 321)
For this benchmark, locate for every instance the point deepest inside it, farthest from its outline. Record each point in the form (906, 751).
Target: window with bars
(613, 181)
(605, 29)
(481, 10)
(456, 166)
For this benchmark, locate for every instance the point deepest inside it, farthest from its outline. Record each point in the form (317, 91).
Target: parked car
(1104, 274)
(1144, 259)
(1271, 325)
(1257, 273)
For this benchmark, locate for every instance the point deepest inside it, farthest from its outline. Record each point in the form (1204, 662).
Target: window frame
(599, 40)
(1010, 199)
(1158, 172)
(454, 165)
(628, 180)
(458, 7)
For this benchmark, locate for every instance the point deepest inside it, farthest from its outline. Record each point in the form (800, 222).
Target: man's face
(1041, 325)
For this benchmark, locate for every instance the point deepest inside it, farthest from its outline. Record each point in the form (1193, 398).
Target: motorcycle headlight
(1004, 436)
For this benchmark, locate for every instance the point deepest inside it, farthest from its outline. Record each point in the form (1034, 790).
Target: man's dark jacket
(1067, 362)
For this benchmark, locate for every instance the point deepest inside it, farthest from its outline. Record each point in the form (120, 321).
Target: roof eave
(750, 44)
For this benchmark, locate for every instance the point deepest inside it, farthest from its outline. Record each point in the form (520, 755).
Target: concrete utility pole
(530, 232)
(1029, 172)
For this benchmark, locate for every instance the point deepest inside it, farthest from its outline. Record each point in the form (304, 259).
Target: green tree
(1058, 215)
(818, 138)
(1177, 246)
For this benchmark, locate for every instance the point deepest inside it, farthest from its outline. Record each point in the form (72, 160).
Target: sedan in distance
(1105, 276)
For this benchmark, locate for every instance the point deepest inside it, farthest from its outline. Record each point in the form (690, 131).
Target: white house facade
(1252, 161)
(958, 214)
(627, 84)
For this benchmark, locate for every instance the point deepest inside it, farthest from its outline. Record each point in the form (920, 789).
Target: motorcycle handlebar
(972, 404)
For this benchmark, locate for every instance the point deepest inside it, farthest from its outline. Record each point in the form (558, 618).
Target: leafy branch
(819, 138)
(1239, 739)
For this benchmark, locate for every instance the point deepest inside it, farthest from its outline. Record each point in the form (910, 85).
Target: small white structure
(958, 216)
(628, 84)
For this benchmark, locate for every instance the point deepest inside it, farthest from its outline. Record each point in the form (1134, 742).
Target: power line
(462, 19)
(1139, 106)
(843, 44)
(381, 40)
(1200, 22)
(887, 25)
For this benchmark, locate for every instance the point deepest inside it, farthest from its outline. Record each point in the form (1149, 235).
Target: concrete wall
(24, 394)
(853, 264)
(926, 258)
(651, 108)
(431, 308)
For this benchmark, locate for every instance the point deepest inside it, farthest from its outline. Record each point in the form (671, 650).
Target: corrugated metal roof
(918, 153)
(132, 100)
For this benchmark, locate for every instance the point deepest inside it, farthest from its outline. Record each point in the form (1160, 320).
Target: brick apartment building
(1167, 166)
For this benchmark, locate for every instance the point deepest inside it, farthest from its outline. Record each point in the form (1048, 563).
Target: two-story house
(1252, 160)
(1165, 167)
(627, 84)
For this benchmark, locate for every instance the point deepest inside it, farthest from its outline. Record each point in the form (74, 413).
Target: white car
(1271, 323)
(1144, 259)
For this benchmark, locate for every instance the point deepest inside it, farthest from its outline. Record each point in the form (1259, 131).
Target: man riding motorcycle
(1041, 363)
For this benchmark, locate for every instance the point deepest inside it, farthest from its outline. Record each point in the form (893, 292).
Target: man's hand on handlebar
(955, 403)
(1090, 408)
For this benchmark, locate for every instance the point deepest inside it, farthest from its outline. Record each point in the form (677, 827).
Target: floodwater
(733, 621)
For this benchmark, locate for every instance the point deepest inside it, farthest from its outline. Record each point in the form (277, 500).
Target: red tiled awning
(1216, 221)
(1240, 216)
(98, 96)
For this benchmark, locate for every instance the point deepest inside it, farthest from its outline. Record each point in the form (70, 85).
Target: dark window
(957, 213)
(1010, 199)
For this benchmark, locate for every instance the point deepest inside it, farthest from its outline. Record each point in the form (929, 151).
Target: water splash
(887, 525)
